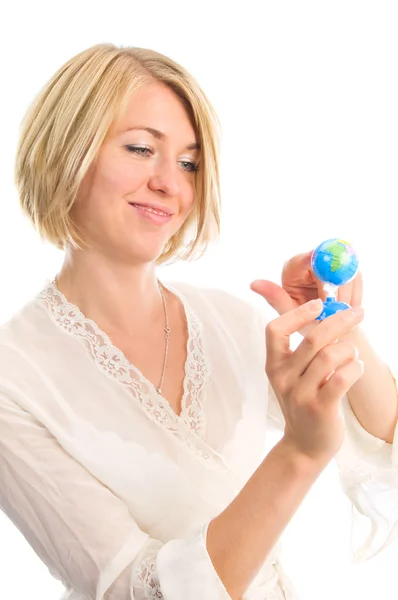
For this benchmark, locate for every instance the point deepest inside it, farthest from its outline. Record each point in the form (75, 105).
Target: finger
(352, 291)
(279, 330)
(328, 360)
(357, 290)
(298, 264)
(321, 292)
(323, 334)
(345, 292)
(276, 296)
(341, 381)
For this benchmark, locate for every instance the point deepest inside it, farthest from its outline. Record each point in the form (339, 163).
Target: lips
(161, 209)
(150, 216)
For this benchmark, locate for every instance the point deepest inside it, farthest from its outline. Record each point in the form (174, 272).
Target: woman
(133, 414)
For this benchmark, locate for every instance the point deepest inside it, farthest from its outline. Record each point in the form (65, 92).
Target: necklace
(167, 331)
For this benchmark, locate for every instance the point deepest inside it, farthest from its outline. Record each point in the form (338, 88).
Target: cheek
(116, 180)
(115, 177)
(101, 188)
(189, 195)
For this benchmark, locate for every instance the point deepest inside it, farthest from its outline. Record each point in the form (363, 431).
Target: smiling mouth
(151, 210)
(152, 215)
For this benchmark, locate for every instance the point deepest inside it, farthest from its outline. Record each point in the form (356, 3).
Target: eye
(189, 166)
(140, 150)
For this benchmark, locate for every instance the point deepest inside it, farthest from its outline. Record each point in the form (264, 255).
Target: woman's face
(136, 166)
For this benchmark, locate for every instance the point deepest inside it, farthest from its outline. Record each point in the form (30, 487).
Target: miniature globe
(335, 261)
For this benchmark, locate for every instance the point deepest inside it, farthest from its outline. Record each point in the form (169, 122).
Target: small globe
(335, 261)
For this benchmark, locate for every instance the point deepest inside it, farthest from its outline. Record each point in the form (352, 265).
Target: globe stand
(331, 306)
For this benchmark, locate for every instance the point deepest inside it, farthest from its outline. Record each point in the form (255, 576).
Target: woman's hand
(310, 382)
(299, 285)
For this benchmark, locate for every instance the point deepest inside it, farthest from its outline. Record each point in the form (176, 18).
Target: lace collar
(190, 426)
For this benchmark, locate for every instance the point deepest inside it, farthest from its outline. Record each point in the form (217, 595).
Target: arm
(373, 398)
(242, 536)
(367, 461)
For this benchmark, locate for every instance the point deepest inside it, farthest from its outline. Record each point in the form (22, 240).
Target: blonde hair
(68, 121)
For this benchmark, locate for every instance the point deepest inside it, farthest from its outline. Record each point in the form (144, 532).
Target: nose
(165, 177)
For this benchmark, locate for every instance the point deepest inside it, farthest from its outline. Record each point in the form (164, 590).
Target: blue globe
(335, 261)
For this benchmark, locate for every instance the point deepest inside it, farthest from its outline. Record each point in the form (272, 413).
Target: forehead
(156, 106)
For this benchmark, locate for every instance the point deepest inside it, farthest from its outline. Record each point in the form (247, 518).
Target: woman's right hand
(310, 382)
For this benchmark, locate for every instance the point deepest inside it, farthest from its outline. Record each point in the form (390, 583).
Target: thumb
(275, 295)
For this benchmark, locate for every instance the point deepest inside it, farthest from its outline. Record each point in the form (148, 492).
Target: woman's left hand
(299, 285)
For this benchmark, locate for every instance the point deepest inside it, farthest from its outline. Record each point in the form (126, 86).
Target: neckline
(70, 317)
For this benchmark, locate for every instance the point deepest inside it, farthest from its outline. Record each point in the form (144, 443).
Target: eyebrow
(159, 135)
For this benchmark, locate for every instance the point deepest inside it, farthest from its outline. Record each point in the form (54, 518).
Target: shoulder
(24, 322)
(22, 337)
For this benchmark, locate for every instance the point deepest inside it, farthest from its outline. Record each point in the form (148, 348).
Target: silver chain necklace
(167, 331)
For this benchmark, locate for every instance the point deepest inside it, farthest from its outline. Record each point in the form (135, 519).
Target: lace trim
(191, 423)
(147, 586)
(147, 580)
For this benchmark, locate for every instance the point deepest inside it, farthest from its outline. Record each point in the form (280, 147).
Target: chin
(142, 255)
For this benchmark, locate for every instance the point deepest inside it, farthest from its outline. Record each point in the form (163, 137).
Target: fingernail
(314, 305)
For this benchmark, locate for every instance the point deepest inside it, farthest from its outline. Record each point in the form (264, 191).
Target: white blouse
(112, 489)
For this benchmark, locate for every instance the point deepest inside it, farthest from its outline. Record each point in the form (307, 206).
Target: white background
(308, 99)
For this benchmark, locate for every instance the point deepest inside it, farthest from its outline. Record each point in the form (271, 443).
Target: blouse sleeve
(84, 533)
(368, 471)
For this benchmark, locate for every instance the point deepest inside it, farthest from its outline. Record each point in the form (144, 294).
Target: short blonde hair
(68, 121)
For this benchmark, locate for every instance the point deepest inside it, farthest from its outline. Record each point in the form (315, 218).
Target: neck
(118, 297)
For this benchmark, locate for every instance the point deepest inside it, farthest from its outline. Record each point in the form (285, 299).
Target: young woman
(133, 413)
